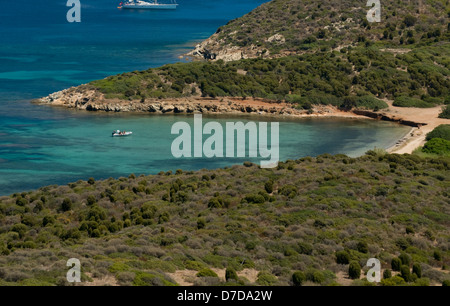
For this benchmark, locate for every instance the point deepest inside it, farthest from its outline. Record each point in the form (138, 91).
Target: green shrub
(304, 248)
(405, 273)
(437, 255)
(445, 114)
(206, 273)
(298, 278)
(417, 270)
(218, 202)
(446, 283)
(230, 274)
(393, 281)
(354, 270)
(362, 247)
(150, 279)
(20, 229)
(437, 146)
(66, 204)
(266, 279)
(21, 201)
(91, 200)
(255, 198)
(370, 102)
(315, 276)
(404, 101)
(201, 223)
(268, 186)
(405, 259)
(409, 20)
(288, 190)
(342, 257)
(387, 274)
(442, 131)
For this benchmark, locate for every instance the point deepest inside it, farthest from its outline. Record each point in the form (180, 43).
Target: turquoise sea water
(41, 53)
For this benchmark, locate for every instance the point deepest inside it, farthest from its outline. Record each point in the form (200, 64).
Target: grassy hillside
(327, 52)
(313, 215)
(324, 77)
(323, 25)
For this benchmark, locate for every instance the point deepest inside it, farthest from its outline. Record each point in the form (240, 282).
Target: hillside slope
(287, 27)
(140, 230)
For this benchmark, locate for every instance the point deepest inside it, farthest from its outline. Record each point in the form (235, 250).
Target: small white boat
(143, 5)
(119, 133)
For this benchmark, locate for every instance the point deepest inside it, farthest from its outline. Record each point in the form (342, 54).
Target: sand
(416, 137)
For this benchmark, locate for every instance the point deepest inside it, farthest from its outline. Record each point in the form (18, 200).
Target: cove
(71, 145)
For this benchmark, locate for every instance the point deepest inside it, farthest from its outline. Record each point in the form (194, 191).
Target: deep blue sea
(40, 52)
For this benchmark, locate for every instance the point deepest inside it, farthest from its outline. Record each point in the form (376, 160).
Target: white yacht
(144, 5)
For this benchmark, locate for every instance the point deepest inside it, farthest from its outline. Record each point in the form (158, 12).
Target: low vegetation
(445, 114)
(314, 219)
(438, 142)
(311, 25)
(354, 77)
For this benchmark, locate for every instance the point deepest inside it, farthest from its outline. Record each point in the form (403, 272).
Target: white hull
(150, 6)
(122, 135)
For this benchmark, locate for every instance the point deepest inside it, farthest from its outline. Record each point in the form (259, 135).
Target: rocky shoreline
(92, 100)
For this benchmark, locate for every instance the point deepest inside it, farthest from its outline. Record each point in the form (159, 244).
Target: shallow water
(41, 53)
(76, 145)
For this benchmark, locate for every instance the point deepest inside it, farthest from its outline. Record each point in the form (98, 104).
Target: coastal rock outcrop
(86, 98)
(214, 49)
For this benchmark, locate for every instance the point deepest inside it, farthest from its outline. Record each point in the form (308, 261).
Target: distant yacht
(143, 5)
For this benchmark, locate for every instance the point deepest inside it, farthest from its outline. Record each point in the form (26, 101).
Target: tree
(201, 223)
(354, 270)
(362, 247)
(66, 204)
(91, 200)
(437, 255)
(405, 273)
(406, 260)
(21, 201)
(268, 186)
(396, 264)
(342, 258)
(409, 20)
(298, 278)
(230, 274)
(445, 113)
(417, 269)
(387, 274)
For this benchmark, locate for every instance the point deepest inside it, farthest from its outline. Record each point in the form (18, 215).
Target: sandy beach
(417, 136)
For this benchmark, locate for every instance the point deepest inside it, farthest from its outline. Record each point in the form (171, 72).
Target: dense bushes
(445, 114)
(298, 278)
(206, 273)
(437, 146)
(404, 101)
(342, 257)
(319, 218)
(318, 78)
(396, 263)
(442, 131)
(354, 270)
